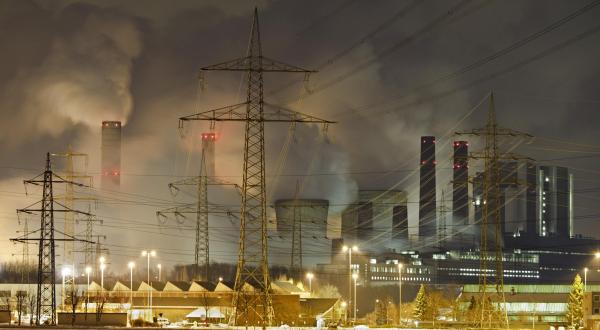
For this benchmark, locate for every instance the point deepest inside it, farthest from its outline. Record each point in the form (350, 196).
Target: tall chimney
(111, 154)
(208, 152)
(460, 188)
(427, 193)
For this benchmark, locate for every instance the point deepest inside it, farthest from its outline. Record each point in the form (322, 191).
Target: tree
(73, 297)
(20, 304)
(421, 304)
(575, 304)
(32, 306)
(100, 301)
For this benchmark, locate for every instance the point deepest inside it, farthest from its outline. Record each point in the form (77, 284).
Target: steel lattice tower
(46, 290)
(491, 304)
(46, 284)
(202, 210)
(253, 306)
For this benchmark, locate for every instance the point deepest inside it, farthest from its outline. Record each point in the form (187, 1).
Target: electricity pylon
(202, 209)
(69, 198)
(46, 282)
(491, 307)
(252, 266)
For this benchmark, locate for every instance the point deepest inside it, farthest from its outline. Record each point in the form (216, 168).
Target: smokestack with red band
(460, 188)
(427, 193)
(111, 154)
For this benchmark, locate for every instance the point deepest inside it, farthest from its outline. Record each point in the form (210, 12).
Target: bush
(141, 323)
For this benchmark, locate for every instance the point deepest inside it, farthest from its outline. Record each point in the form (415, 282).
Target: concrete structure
(400, 224)
(374, 222)
(555, 201)
(312, 214)
(460, 186)
(208, 149)
(427, 188)
(110, 166)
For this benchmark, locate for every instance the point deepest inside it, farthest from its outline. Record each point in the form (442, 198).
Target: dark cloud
(67, 65)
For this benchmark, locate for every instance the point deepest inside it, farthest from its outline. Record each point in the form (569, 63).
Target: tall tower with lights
(111, 154)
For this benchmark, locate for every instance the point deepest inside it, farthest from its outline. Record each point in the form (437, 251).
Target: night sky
(389, 72)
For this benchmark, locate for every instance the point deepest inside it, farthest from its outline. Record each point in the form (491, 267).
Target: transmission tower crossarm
(246, 64)
(499, 132)
(238, 112)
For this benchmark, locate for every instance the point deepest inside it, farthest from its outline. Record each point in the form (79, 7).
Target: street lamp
(354, 277)
(348, 249)
(159, 271)
(66, 271)
(148, 255)
(585, 270)
(220, 279)
(310, 276)
(88, 271)
(102, 267)
(344, 305)
(131, 265)
(597, 254)
(400, 293)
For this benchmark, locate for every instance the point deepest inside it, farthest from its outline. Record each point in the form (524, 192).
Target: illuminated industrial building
(110, 167)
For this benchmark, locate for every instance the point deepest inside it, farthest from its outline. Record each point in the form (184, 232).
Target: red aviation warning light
(209, 136)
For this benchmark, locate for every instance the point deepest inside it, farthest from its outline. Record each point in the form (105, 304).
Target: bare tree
(204, 303)
(73, 297)
(32, 299)
(20, 304)
(100, 301)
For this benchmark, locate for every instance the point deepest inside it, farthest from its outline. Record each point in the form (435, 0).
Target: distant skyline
(388, 74)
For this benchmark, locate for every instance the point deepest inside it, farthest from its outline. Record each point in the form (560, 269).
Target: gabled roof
(159, 286)
(196, 287)
(145, 287)
(94, 286)
(176, 286)
(222, 287)
(209, 286)
(119, 286)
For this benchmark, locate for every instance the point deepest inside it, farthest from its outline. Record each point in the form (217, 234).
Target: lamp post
(310, 276)
(348, 249)
(585, 271)
(88, 271)
(354, 277)
(159, 271)
(66, 271)
(400, 293)
(344, 307)
(149, 254)
(131, 265)
(102, 267)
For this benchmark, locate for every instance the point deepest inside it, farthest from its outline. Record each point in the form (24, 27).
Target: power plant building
(110, 166)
